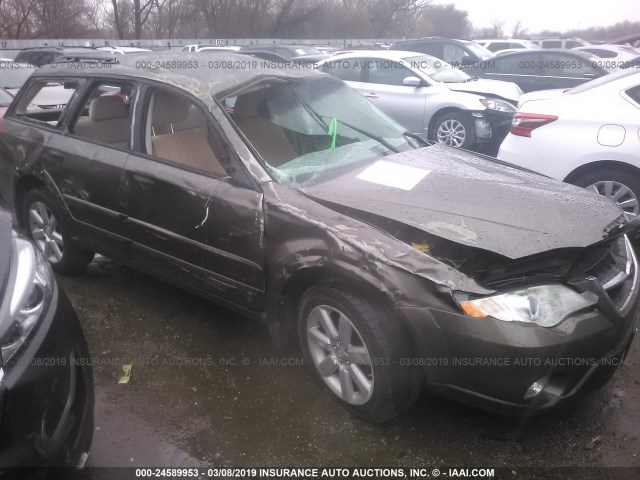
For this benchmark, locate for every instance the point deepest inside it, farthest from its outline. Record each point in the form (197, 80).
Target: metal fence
(10, 48)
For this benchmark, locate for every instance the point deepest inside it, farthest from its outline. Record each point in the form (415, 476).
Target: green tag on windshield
(333, 131)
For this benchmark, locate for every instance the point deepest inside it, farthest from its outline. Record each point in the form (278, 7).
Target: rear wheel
(45, 226)
(354, 349)
(621, 186)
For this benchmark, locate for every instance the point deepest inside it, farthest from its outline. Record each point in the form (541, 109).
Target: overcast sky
(539, 15)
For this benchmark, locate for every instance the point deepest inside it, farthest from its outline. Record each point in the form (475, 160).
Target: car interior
(177, 130)
(250, 112)
(107, 121)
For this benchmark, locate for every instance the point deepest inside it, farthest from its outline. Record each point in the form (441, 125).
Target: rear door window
(387, 72)
(349, 70)
(105, 116)
(551, 44)
(560, 65)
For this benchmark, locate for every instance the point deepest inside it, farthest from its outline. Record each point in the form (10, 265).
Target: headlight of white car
(545, 305)
(30, 289)
(498, 105)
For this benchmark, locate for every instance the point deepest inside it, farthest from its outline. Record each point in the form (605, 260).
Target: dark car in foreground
(46, 383)
(287, 196)
(541, 69)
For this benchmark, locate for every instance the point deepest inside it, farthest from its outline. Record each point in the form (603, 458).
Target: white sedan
(588, 136)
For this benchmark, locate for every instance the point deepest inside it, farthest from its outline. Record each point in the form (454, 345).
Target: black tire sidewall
(395, 387)
(470, 139)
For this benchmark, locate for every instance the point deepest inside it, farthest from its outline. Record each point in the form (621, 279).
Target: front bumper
(47, 395)
(491, 128)
(491, 364)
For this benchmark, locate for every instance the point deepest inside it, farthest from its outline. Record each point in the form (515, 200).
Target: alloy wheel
(340, 355)
(619, 193)
(45, 232)
(452, 132)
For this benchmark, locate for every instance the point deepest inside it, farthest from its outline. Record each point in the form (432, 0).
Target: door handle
(142, 180)
(56, 157)
(371, 95)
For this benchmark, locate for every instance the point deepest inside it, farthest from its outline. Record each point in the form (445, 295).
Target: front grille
(616, 270)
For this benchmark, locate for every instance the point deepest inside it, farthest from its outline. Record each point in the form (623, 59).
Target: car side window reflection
(46, 101)
(348, 70)
(177, 130)
(388, 73)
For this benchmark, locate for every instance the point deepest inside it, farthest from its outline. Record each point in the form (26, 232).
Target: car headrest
(106, 107)
(169, 108)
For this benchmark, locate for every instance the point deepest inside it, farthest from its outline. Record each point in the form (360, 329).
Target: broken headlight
(545, 305)
(29, 292)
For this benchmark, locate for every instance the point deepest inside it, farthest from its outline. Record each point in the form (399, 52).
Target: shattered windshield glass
(308, 129)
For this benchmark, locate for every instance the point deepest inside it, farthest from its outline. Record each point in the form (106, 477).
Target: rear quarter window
(634, 94)
(45, 101)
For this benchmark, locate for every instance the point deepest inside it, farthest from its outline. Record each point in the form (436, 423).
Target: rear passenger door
(95, 148)
(191, 218)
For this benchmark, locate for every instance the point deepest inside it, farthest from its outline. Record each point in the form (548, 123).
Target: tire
(47, 227)
(452, 122)
(376, 338)
(617, 179)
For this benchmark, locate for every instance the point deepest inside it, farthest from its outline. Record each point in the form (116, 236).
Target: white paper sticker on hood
(393, 175)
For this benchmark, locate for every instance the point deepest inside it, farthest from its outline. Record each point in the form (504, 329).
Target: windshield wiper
(381, 140)
(419, 140)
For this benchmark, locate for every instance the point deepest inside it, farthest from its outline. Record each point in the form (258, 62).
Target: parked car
(287, 196)
(497, 45)
(555, 42)
(287, 53)
(429, 97)
(123, 50)
(200, 47)
(13, 76)
(46, 383)
(40, 56)
(612, 56)
(454, 52)
(541, 69)
(587, 136)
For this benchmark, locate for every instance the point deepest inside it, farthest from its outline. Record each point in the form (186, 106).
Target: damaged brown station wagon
(285, 195)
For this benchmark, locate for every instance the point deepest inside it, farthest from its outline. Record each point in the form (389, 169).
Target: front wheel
(45, 227)
(623, 187)
(454, 129)
(354, 350)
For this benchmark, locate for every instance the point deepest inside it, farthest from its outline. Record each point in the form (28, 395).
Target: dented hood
(473, 201)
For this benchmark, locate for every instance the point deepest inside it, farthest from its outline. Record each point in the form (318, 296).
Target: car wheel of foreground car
(455, 130)
(45, 227)
(354, 348)
(623, 187)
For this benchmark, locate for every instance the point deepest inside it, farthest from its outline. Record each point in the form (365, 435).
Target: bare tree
(497, 28)
(517, 30)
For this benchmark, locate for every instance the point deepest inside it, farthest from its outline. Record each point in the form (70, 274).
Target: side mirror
(412, 82)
